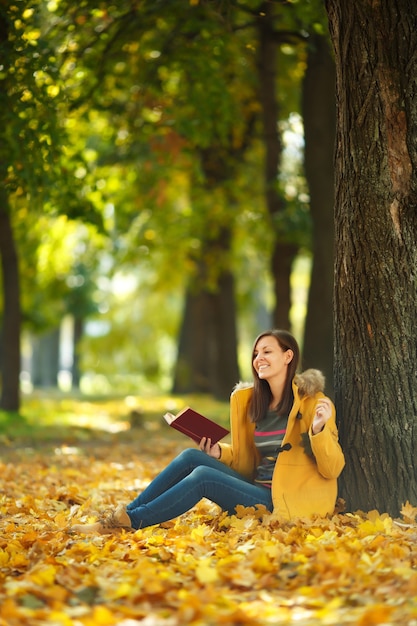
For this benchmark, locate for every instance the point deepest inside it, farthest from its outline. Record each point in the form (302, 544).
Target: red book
(195, 425)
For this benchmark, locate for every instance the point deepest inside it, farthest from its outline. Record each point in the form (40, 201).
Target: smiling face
(270, 360)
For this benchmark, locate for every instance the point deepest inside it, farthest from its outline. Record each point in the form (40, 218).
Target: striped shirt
(269, 434)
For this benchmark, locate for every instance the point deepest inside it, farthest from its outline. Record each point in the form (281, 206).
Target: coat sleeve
(241, 453)
(327, 451)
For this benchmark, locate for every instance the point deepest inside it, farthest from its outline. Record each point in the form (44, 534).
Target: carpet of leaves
(202, 569)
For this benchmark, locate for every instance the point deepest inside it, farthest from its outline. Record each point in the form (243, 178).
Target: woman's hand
(322, 415)
(205, 446)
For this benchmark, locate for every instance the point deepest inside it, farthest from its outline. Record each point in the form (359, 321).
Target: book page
(169, 418)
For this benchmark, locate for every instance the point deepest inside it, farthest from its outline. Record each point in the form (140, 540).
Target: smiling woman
(284, 453)
(274, 360)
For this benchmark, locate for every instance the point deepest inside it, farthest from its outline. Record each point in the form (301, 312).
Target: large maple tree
(376, 249)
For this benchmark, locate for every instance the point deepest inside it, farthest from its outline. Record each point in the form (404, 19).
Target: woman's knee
(202, 474)
(191, 456)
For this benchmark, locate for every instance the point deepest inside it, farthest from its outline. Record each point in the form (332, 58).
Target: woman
(284, 452)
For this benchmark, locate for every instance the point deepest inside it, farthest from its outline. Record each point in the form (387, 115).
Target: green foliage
(36, 168)
(59, 267)
(146, 119)
(30, 130)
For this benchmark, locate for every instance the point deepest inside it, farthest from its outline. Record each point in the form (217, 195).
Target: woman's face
(269, 359)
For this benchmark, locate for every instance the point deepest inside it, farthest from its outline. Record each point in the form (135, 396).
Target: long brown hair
(262, 394)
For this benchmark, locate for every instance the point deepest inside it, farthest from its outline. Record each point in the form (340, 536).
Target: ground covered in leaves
(202, 569)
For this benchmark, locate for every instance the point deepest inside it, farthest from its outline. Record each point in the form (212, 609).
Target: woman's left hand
(211, 450)
(322, 415)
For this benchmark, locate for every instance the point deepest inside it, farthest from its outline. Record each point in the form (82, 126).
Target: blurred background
(167, 192)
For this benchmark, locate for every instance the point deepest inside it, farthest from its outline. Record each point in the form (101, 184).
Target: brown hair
(262, 394)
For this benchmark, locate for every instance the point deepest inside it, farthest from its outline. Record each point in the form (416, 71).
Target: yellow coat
(304, 481)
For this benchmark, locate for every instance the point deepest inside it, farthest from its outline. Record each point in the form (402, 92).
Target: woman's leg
(191, 476)
(214, 481)
(176, 471)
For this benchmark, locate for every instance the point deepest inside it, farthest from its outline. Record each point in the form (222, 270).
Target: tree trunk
(75, 369)
(194, 345)
(282, 260)
(45, 359)
(376, 250)
(225, 372)
(10, 367)
(207, 348)
(319, 116)
(283, 253)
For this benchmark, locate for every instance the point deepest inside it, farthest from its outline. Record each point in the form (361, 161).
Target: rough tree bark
(376, 249)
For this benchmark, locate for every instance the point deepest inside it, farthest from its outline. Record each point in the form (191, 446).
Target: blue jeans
(191, 476)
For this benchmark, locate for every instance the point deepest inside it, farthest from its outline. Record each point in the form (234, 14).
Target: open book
(195, 425)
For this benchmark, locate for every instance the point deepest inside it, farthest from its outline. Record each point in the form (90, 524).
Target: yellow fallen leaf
(61, 519)
(260, 561)
(9, 611)
(43, 575)
(4, 558)
(60, 619)
(122, 590)
(206, 573)
(204, 567)
(379, 614)
(409, 512)
(199, 533)
(101, 616)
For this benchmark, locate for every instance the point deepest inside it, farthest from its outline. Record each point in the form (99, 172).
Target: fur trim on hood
(242, 385)
(310, 382)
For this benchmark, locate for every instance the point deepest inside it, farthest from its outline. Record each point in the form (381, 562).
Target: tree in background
(283, 250)
(376, 250)
(162, 110)
(27, 128)
(59, 266)
(319, 119)
(177, 115)
(197, 87)
(37, 174)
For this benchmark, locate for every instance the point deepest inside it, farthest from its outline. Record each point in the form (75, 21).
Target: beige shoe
(111, 521)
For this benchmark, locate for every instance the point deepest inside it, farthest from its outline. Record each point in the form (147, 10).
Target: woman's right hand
(205, 446)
